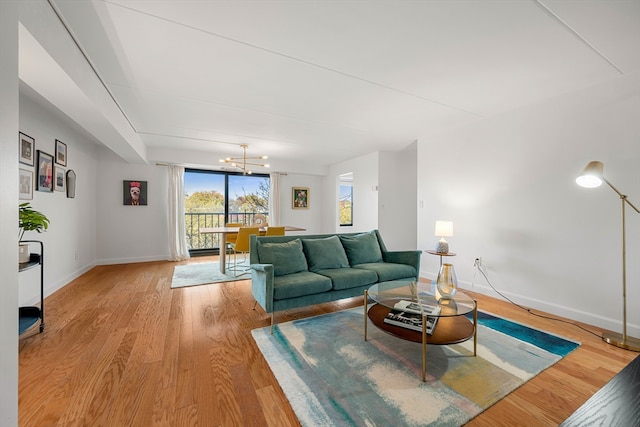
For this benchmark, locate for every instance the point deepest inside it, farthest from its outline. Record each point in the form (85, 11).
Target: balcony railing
(195, 221)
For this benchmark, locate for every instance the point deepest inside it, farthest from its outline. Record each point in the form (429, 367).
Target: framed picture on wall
(26, 148)
(135, 193)
(59, 178)
(45, 172)
(300, 198)
(61, 153)
(26, 184)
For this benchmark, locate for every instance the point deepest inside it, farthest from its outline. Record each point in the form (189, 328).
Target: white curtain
(274, 198)
(178, 247)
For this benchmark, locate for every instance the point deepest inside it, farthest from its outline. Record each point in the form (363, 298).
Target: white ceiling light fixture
(244, 161)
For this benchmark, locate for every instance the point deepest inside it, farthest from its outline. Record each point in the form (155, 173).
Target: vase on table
(447, 283)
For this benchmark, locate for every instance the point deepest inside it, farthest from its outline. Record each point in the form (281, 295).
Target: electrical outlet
(477, 262)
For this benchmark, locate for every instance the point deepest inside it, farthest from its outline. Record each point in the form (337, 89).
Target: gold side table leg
(366, 299)
(475, 327)
(424, 349)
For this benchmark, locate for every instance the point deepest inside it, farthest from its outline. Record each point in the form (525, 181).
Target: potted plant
(29, 219)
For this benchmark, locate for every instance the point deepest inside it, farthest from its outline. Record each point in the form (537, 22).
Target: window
(345, 202)
(214, 198)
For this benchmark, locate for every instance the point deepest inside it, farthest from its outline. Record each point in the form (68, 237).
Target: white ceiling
(326, 81)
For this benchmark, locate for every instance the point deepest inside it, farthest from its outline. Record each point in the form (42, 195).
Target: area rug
(332, 377)
(202, 274)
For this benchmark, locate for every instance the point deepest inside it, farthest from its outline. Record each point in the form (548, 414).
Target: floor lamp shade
(593, 176)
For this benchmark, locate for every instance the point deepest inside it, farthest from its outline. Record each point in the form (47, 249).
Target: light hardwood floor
(121, 348)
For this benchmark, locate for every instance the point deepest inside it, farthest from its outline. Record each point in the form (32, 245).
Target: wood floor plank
(122, 348)
(271, 408)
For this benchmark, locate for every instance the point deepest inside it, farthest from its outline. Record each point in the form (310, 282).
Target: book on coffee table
(414, 307)
(407, 315)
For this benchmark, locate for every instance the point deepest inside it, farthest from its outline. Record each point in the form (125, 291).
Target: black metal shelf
(30, 315)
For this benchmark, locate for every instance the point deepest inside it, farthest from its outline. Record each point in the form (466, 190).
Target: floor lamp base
(616, 339)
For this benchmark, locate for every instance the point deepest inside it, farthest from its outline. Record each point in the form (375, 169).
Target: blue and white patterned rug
(332, 377)
(203, 274)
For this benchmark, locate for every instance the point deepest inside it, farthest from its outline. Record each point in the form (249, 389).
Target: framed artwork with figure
(300, 198)
(135, 193)
(45, 172)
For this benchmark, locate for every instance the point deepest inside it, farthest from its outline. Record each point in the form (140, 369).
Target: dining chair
(231, 237)
(241, 245)
(274, 231)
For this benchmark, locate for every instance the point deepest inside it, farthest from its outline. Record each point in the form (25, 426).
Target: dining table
(223, 231)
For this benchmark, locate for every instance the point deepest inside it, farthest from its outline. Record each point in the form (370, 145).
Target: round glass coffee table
(452, 326)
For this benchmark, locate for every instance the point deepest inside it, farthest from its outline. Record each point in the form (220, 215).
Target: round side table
(441, 254)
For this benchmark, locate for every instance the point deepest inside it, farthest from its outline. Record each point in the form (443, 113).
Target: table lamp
(443, 229)
(592, 177)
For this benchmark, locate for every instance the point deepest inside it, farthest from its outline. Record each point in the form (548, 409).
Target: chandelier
(244, 161)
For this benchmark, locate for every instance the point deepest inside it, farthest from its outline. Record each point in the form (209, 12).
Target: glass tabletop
(399, 293)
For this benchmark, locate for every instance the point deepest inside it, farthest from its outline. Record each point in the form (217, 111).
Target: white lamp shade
(591, 176)
(444, 228)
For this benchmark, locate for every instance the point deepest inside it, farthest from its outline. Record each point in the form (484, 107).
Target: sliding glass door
(213, 199)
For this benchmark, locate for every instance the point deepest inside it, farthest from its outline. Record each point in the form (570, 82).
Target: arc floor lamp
(591, 177)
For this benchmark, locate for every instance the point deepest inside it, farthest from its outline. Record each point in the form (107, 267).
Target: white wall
(310, 219)
(397, 198)
(365, 194)
(384, 196)
(70, 241)
(508, 184)
(130, 233)
(8, 213)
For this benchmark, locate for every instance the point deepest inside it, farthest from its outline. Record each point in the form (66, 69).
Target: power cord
(528, 310)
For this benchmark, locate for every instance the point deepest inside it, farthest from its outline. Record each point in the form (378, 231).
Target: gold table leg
(475, 327)
(366, 299)
(424, 348)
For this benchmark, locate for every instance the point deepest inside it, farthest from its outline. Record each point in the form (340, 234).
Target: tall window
(214, 198)
(345, 203)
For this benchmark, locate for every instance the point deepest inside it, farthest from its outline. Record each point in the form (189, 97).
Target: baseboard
(548, 307)
(112, 261)
(50, 288)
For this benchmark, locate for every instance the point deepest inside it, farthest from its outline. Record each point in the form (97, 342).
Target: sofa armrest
(262, 285)
(411, 258)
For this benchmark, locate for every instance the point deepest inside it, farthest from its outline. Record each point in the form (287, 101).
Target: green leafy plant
(31, 220)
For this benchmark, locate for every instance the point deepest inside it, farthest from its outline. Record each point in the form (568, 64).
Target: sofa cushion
(286, 257)
(387, 271)
(299, 284)
(362, 248)
(346, 278)
(324, 253)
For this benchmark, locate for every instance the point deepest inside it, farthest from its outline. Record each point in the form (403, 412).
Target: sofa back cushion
(362, 248)
(286, 257)
(324, 253)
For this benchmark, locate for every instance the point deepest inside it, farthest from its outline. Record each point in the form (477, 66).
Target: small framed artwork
(26, 147)
(300, 197)
(26, 184)
(59, 178)
(134, 193)
(61, 153)
(45, 172)
(71, 184)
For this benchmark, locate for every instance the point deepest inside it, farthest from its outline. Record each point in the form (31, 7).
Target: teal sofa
(296, 271)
